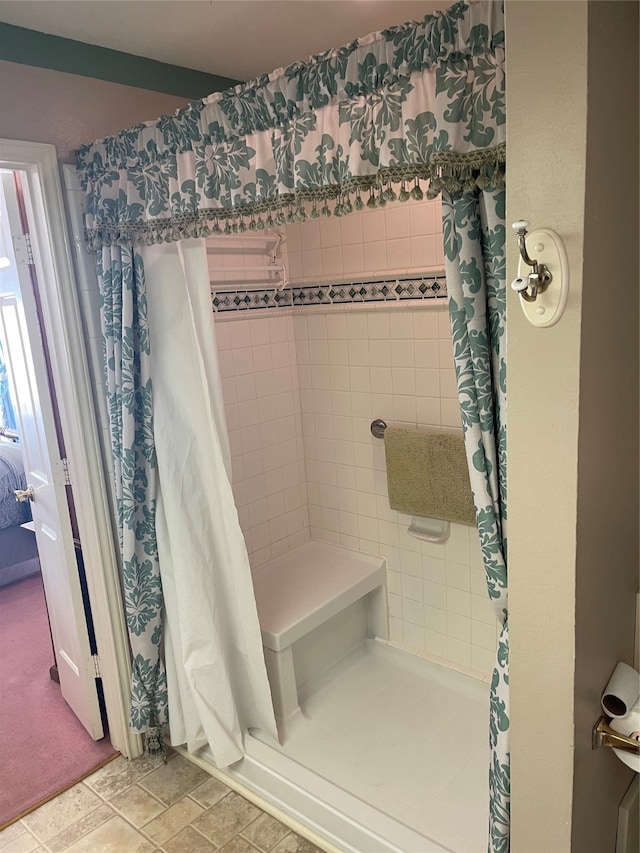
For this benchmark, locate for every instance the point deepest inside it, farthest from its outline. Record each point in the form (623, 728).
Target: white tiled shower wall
(262, 404)
(396, 365)
(401, 236)
(301, 389)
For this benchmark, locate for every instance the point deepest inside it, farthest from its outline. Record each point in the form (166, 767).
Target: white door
(45, 471)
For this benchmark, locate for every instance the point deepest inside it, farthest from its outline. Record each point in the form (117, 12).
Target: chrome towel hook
(539, 278)
(542, 305)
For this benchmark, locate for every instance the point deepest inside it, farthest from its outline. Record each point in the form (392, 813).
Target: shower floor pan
(390, 754)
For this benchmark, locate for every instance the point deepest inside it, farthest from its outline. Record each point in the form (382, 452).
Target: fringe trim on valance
(483, 169)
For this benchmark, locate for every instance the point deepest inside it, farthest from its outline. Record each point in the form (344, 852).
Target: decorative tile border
(391, 290)
(250, 300)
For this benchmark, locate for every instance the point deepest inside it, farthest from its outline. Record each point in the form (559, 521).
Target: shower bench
(316, 603)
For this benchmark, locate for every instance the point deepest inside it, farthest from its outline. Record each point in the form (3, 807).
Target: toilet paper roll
(629, 726)
(622, 692)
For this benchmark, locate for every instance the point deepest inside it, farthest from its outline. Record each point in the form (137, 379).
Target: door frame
(69, 364)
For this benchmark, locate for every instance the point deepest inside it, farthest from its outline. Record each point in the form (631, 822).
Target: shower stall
(390, 726)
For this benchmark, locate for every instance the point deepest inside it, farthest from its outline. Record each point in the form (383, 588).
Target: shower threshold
(390, 756)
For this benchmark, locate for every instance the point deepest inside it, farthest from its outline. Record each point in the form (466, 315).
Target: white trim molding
(69, 366)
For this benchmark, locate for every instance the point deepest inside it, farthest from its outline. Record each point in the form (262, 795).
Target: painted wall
(349, 365)
(557, 541)
(545, 184)
(65, 110)
(608, 464)
(43, 50)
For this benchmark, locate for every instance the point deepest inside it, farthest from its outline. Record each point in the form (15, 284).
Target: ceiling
(232, 38)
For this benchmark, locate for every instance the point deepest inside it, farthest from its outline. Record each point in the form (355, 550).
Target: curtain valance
(421, 101)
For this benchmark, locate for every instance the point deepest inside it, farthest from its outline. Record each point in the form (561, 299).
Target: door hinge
(60, 471)
(96, 665)
(23, 249)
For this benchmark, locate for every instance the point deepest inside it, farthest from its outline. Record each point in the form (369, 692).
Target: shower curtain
(368, 123)
(217, 682)
(186, 577)
(474, 236)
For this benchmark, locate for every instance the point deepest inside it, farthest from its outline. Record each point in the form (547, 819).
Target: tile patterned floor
(145, 806)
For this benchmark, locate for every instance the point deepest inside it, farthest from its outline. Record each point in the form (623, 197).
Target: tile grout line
(190, 823)
(124, 817)
(114, 812)
(166, 806)
(87, 814)
(25, 831)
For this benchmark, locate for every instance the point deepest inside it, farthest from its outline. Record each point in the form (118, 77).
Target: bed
(18, 550)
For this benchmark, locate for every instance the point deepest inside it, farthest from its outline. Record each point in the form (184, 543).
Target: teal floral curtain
(364, 124)
(123, 309)
(474, 237)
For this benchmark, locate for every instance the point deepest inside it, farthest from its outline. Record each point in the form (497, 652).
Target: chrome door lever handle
(27, 494)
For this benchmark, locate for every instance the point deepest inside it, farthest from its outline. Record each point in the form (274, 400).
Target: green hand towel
(427, 475)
